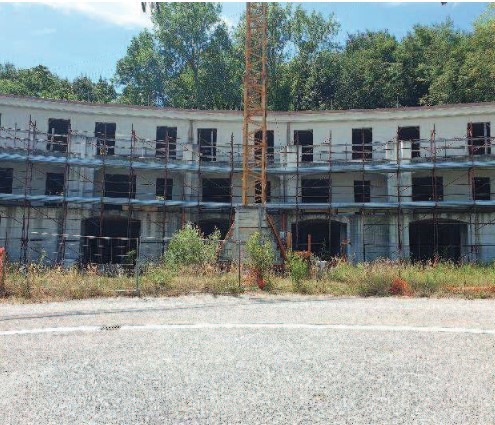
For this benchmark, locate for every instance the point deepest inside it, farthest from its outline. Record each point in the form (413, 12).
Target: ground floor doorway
(208, 226)
(112, 240)
(327, 237)
(439, 239)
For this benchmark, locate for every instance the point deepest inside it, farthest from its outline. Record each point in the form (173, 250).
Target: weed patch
(36, 283)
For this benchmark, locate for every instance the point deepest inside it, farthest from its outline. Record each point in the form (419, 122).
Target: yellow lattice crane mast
(254, 125)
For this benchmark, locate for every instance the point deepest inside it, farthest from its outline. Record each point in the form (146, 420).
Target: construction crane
(254, 142)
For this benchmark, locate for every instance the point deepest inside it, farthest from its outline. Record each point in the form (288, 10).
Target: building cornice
(130, 111)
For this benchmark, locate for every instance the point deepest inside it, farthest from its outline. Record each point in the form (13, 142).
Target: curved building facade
(91, 183)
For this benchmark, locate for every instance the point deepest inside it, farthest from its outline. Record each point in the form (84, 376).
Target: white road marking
(51, 330)
(307, 326)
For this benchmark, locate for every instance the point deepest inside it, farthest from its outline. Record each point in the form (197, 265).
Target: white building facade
(86, 183)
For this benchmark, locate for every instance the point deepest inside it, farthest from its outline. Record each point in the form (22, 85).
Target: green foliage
(188, 61)
(296, 39)
(189, 247)
(427, 55)
(100, 92)
(200, 63)
(160, 278)
(142, 72)
(130, 257)
(298, 269)
(261, 254)
(41, 82)
(369, 72)
(191, 59)
(374, 286)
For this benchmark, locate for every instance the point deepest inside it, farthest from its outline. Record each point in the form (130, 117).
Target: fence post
(239, 279)
(2, 272)
(137, 267)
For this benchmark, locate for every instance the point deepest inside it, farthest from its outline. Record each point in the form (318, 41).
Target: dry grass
(423, 280)
(39, 284)
(379, 277)
(36, 283)
(158, 280)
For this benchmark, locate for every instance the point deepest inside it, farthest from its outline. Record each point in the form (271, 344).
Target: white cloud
(126, 14)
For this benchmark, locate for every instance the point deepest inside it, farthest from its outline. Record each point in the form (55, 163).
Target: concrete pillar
(406, 186)
(248, 220)
(393, 238)
(401, 186)
(397, 233)
(191, 183)
(190, 134)
(392, 188)
(356, 238)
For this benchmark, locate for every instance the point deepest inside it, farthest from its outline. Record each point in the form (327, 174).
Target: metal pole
(137, 267)
(239, 262)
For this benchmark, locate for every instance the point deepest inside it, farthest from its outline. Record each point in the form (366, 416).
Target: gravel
(249, 375)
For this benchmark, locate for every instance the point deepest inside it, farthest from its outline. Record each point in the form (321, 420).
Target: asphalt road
(249, 360)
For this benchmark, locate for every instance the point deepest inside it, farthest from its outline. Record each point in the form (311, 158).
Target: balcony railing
(81, 145)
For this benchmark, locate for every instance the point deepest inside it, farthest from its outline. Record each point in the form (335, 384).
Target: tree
(104, 91)
(186, 32)
(9, 81)
(83, 89)
(476, 67)
(322, 81)
(312, 37)
(279, 35)
(423, 55)
(41, 82)
(191, 60)
(142, 72)
(295, 39)
(369, 72)
(187, 61)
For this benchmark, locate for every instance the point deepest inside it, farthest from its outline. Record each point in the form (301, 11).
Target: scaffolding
(402, 198)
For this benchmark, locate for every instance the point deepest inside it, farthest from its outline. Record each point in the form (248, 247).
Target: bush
(261, 257)
(189, 247)
(298, 269)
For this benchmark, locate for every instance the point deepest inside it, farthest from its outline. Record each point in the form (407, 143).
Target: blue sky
(74, 38)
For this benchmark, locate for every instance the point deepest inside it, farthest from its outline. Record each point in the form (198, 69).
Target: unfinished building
(86, 183)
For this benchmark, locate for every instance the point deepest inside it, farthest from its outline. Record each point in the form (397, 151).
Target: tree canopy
(41, 82)
(192, 59)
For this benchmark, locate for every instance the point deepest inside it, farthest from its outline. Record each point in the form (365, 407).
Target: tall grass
(376, 279)
(34, 283)
(38, 283)
(158, 280)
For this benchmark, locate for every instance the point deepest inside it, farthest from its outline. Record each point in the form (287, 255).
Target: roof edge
(234, 113)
